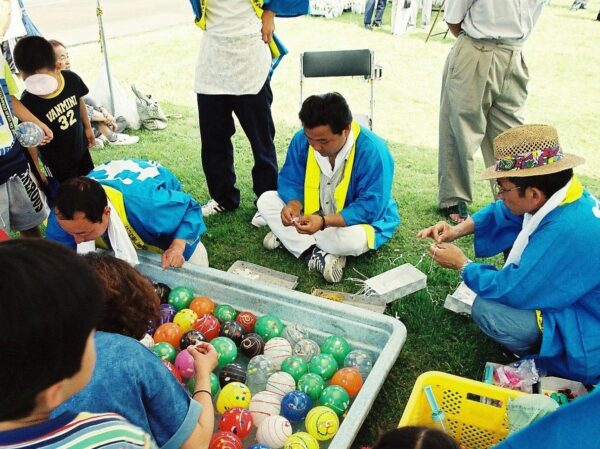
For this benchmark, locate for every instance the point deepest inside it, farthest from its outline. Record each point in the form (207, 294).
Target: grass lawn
(563, 61)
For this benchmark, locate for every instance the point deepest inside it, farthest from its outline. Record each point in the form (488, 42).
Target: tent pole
(104, 51)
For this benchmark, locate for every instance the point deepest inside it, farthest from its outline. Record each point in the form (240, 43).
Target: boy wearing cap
(545, 300)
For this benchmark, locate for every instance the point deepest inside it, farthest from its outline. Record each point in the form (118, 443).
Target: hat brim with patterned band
(529, 150)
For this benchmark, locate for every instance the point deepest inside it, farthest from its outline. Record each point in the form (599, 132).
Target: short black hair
(327, 109)
(34, 53)
(49, 303)
(415, 437)
(81, 194)
(549, 184)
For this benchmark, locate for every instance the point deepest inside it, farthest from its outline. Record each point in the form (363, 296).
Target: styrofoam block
(461, 301)
(398, 282)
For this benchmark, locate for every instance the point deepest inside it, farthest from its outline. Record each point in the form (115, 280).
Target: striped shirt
(81, 431)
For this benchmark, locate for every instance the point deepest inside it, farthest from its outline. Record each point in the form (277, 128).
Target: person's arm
(372, 178)
(290, 182)
(554, 270)
(309, 224)
(454, 14)
(205, 361)
(24, 115)
(87, 126)
(443, 232)
(35, 157)
(268, 26)
(455, 28)
(173, 256)
(291, 212)
(5, 13)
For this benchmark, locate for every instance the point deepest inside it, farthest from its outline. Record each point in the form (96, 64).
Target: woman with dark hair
(128, 378)
(415, 437)
(130, 301)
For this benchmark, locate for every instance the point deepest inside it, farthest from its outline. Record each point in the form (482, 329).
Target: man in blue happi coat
(334, 196)
(545, 301)
(129, 204)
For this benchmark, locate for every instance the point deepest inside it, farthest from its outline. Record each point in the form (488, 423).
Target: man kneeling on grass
(334, 196)
(545, 301)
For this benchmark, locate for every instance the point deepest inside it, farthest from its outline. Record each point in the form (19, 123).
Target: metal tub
(381, 335)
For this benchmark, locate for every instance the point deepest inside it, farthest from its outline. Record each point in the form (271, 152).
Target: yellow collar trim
(61, 86)
(312, 179)
(574, 192)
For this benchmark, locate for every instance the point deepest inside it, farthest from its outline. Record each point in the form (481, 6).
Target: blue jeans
(515, 329)
(369, 11)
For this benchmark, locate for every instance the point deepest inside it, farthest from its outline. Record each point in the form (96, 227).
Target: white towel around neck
(531, 222)
(119, 240)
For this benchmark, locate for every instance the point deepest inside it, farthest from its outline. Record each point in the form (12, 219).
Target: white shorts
(22, 203)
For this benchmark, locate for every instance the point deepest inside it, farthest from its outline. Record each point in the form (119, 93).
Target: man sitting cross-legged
(335, 190)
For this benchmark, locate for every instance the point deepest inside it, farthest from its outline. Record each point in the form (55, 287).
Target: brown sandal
(461, 209)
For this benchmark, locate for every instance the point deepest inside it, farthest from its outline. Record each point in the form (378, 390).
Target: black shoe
(376, 25)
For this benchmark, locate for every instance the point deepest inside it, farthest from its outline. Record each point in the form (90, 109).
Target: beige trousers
(484, 88)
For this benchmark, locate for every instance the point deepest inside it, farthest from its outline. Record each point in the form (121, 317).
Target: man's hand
(309, 224)
(440, 232)
(205, 358)
(173, 256)
(268, 26)
(290, 213)
(447, 255)
(89, 135)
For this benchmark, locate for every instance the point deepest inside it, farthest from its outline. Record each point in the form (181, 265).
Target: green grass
(563, 60)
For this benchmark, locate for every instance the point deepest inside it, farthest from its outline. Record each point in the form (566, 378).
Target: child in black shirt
(55, 97)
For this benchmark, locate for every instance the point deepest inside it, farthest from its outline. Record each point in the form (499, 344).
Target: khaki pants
(484, 89)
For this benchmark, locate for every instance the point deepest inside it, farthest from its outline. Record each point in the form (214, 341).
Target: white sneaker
(258, 221)
(99, 144)
(329, 265)
(124, 139)
(271, 242)
(212, 208)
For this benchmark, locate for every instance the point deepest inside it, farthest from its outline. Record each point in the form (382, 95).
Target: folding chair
(439, 6)
(321, 64)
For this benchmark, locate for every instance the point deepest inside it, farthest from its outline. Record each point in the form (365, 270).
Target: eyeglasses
(498, 190)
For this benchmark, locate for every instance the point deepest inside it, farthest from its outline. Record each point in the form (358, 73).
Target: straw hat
(529, 150)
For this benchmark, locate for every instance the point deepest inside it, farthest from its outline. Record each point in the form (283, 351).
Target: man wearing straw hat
(545, 300)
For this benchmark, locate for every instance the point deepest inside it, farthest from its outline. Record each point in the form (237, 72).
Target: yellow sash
(312, 181)
(257, 6)
(116, 199)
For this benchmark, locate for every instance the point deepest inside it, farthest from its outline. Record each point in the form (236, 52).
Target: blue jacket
(281, 8)
(559, 274)
(369, 198)
(156, 207)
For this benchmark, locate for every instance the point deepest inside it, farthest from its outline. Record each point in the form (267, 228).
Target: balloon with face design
(322, 423)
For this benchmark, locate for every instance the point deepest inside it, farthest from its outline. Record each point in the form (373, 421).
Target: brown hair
(415, 437)
(130, 301)
(56, 43)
